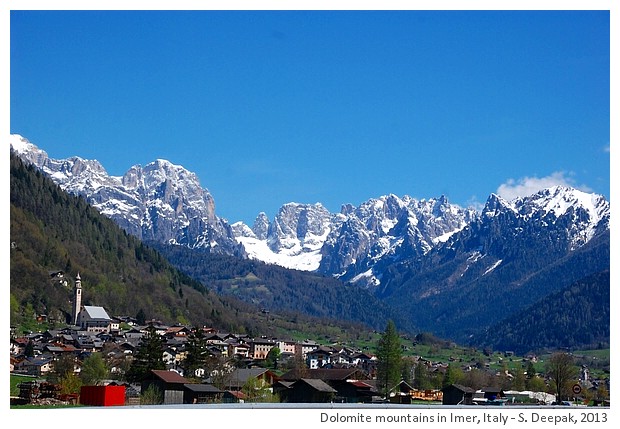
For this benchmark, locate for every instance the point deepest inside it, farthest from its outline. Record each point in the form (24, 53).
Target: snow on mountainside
(349, 244)
(582, 214)
(293, 240)
(587, 213)
(165, 203)
(358, 243)
(386, 229)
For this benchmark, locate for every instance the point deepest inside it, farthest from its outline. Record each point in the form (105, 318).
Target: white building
(94, 319)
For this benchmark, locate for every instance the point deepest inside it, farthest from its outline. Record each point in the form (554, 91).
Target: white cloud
(530, 185)
(474, 203)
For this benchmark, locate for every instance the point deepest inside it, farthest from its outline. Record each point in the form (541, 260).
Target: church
(88, 317)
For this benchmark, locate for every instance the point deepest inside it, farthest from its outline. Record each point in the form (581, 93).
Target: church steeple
(77, 299)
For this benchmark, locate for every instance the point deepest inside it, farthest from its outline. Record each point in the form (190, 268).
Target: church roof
(96, 312)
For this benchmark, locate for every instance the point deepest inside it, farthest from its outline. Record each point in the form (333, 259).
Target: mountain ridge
(454, 271)
(166, 203)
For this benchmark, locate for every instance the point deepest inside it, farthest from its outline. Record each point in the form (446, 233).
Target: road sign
(576, 389)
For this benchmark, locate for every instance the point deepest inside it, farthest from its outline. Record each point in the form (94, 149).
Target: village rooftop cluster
(307, 372)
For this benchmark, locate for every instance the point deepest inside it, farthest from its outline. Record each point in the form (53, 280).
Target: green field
(15, 380)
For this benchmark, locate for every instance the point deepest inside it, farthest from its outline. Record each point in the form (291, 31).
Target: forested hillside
(52, 231)
(272, 287)
(575, 317)
(467, 306)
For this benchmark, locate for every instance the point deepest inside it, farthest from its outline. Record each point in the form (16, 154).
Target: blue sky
(269, 107)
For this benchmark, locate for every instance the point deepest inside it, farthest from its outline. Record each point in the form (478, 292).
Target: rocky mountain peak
(261, 226)
(160, 201)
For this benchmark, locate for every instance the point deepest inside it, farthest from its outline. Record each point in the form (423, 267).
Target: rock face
(160, 201)
(384, 230)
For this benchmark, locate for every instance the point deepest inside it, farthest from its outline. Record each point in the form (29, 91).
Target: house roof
(202, 388)
(460, 387)
(361, 384)
(327, 374)
(402, 386)
(321, 350)
(241, 375)
(236, 393)
(263, 341)
(37, 360)
(176, 331)
(53, 349)
(169, 376)
(316, 384)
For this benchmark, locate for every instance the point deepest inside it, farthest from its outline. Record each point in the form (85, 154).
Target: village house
(341, 379)
(304, 347)
(178, 331)
(457, 394)
(260, 348)
(240, 376)
(238, 350)
(401, 393)
(319, 357)
(218, 345)
(173, 357)
(195, 393)
(37, 366)
(307, 390)
(286, 346)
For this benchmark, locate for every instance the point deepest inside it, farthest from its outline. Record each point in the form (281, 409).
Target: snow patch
(259, 250)
(492, 267)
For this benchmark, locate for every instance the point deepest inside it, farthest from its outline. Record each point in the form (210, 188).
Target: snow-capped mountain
(160, 201)
(510, 256)
(165, 203)
(350, 243)
(554, 222)
(387, 229)
(359, 243)
(583, 214)
(294, 239)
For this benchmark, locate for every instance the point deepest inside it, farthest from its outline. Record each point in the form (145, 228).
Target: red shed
(102, 396)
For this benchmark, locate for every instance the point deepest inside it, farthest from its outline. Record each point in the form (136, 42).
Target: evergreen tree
(29, 350)
(531, 370)
(197, 353)
(453, 375)
(421, 378)
(148, 356)
(141, 317)
(389, 356)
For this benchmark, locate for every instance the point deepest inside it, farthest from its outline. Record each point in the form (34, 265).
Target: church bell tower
(77, 299)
